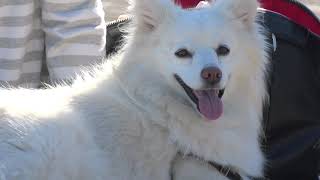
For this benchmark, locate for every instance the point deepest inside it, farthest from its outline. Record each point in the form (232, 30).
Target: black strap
(226, 171)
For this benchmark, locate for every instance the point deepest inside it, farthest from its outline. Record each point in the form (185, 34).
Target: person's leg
(21, 43)
(75, 34)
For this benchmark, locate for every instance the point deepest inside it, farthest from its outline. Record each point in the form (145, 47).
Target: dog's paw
(189, 168)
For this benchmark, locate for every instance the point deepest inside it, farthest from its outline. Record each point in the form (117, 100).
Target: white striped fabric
(63, 35)
(115, 8)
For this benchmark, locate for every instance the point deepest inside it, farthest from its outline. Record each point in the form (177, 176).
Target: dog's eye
(183, 53)
(223, 50)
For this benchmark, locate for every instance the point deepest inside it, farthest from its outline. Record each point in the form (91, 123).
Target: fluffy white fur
(128, 117)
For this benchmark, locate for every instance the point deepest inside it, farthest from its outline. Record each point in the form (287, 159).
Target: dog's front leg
(141, 167)
(189, 168)
(144, 157)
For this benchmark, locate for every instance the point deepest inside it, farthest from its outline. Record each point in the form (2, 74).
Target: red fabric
(187, 3)
(293, 12)
(283, 7)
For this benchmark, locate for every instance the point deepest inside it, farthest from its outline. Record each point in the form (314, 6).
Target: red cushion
(293, 12)
(187, 3)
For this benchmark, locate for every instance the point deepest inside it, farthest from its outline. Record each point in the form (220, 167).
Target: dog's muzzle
(208, 101)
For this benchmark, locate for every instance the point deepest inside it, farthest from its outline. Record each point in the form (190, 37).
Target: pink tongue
(210, 105)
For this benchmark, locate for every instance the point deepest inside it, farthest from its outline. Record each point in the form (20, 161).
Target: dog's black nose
(211, 75)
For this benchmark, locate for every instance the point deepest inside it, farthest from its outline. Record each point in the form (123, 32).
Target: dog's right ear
(242, 10)
(150, 13)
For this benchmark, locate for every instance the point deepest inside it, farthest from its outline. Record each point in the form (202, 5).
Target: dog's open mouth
(208, 101)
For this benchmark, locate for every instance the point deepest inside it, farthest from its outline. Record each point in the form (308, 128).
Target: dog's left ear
(150, 13)
(242, 10)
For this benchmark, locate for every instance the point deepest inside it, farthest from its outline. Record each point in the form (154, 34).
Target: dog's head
(198, 51)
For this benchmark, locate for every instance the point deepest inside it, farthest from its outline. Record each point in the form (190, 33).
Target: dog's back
(42, 136)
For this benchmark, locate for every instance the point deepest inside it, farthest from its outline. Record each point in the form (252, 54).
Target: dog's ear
(150, 13)
(242, 10)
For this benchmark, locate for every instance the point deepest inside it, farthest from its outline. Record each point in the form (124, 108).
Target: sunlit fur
(127, 118)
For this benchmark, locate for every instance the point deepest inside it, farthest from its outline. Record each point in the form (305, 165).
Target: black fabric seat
(292, 119)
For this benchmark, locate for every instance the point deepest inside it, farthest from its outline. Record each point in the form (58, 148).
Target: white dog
(189, 81)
